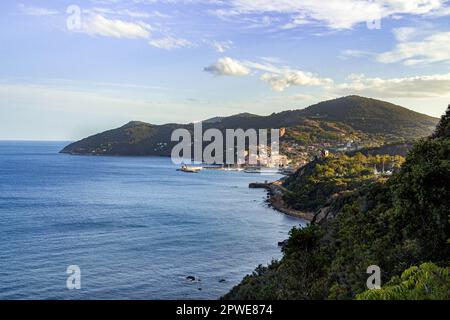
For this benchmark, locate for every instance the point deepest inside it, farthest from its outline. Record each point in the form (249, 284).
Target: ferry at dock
(190, 169)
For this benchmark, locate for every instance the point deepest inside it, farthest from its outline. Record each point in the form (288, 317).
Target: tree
(443, 128)
(422, 198)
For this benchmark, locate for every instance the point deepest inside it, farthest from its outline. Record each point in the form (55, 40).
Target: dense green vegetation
(312, 186)
(314, 131)
(443, 127)
(425, 282)
(400, 224)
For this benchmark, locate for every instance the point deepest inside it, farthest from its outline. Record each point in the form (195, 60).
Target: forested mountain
(336, 120)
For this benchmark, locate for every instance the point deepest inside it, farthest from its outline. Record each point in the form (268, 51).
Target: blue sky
(72, 68)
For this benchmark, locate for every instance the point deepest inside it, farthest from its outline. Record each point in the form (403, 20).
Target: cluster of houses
(265, 158)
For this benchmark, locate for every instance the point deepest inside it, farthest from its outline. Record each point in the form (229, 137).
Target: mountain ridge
(359, 114)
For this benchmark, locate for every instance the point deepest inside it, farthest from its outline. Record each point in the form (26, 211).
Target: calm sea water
(135, 226)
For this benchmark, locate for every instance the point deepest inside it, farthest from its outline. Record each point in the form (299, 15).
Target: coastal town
(294, 152)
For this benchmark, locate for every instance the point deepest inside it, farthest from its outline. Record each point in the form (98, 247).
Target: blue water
(135, 226)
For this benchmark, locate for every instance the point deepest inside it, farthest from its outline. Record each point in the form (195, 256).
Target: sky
(69, 69)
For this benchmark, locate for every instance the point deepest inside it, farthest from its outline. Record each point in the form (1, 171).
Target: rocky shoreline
(275, 192)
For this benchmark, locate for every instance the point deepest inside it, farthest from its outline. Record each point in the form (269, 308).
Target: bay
(134, 225)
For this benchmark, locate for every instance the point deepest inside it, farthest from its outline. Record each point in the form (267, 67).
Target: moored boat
(261, 170)
(189, 169)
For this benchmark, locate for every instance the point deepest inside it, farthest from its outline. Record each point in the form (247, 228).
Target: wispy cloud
(428, 86)
(410, 51)
(352, 53)
(336, 14)
(169, 43)
(99, 22)
(99, 25)
(221, 46)
(36, 11)
(272, 59)
(132, 13)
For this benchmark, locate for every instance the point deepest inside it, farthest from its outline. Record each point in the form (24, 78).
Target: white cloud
(169, 43)
(99, 25)
(410, 51)
(228, 67)
(336, 14)
(418, 87)
(279, 78)
(285, 79)
(36, 11)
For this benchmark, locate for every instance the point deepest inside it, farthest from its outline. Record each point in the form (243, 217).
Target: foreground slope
(400, 224)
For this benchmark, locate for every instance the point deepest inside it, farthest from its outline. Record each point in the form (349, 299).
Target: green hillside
(312, 186)
(373, 116)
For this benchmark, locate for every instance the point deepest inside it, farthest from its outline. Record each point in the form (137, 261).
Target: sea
(127, 227)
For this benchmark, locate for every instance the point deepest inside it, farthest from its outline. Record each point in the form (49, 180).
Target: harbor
(247, 169)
